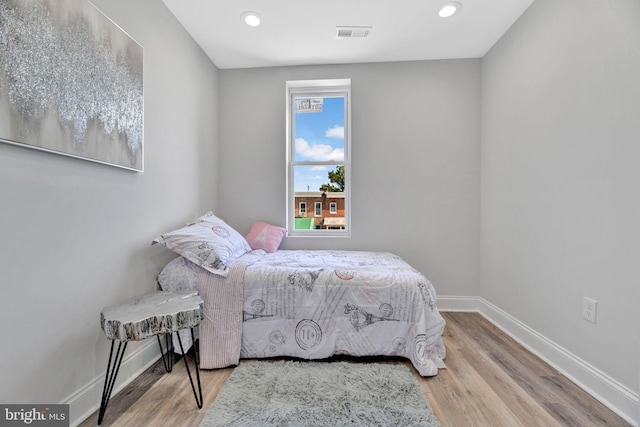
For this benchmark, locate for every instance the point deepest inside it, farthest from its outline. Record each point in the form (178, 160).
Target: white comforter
(315, 304)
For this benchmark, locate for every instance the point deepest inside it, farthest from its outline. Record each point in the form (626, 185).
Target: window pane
(320, 187)
(319, 129)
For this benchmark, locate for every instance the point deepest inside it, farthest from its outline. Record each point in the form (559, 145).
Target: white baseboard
(617, 397)
(86, 401)
(458, 303)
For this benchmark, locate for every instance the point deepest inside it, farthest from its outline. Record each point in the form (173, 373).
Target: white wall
(415, 160)
(560, 176)
(76, 235)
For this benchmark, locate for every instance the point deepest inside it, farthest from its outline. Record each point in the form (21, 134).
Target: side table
(156, 313)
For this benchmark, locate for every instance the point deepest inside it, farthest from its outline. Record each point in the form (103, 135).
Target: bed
(309, 304)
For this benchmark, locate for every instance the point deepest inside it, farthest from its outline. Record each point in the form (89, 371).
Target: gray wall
(76, 235)
(560, 175)
(553, 210)
(415, 160)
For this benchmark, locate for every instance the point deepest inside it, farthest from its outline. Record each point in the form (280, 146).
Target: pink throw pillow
(265, 236)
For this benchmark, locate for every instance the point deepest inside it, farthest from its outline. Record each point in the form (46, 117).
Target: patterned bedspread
(313, 304)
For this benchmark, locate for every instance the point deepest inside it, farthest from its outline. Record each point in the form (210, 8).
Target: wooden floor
(490, 380)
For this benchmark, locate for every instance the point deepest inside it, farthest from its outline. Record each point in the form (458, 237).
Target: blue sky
(319, 136)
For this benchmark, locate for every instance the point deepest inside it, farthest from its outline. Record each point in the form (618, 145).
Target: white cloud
(335, 132)
(321, 152)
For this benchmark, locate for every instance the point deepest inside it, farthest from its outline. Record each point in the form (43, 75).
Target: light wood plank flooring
(490, 380)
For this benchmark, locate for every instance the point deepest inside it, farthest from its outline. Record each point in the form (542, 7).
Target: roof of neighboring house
(330, 194)
(304, 224)
(334, 222)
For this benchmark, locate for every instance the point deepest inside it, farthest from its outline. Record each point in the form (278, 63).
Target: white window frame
(333, 207)
(317, 88)
(302, 211)
(317, 209)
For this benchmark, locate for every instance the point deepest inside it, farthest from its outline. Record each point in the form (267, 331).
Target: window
(318, 157)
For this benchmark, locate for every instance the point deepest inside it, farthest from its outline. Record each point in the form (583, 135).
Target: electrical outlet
(589, 309)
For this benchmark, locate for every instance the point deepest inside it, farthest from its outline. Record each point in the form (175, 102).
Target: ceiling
(298, 32)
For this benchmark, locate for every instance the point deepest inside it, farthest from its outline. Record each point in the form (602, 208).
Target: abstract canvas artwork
(70, 82)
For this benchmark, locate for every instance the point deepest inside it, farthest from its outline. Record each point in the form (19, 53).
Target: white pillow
(209, 242)
(179, 274)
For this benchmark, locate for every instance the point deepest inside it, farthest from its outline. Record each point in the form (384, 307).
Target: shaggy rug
(299, 393)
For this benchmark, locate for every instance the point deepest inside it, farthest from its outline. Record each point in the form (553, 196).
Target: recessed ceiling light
(449, 9)
(250, 18)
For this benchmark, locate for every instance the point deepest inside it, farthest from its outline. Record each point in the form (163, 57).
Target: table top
(151, 314)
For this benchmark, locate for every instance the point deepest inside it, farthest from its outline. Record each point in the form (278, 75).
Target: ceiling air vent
(352, 32)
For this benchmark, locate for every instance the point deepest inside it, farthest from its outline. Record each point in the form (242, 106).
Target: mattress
(314, 304)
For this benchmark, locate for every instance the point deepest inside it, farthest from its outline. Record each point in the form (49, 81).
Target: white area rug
(299, 393)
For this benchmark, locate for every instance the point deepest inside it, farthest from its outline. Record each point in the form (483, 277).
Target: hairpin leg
(110, 377)
(168, 361)
(198, 401)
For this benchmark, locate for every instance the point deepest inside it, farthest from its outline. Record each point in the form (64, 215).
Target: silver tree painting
(70, 82)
